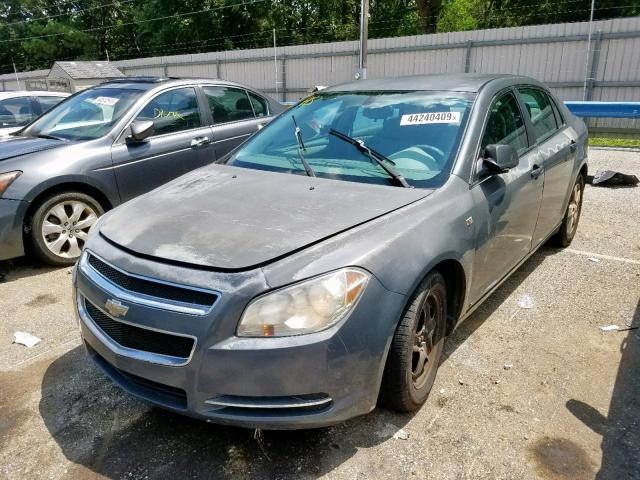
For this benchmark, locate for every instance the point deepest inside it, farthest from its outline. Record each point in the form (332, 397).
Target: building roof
(30, 93)
(82, 69)
(461, 82)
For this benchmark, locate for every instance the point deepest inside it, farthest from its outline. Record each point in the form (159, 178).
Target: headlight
(7, 179)
(305, 307)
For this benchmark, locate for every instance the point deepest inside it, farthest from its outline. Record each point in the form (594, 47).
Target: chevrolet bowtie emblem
(116, 308)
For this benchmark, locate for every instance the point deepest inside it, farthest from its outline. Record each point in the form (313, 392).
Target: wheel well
(455, 280)
(93, 192)
(584, 170)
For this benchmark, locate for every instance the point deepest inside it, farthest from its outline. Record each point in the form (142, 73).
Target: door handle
(536, 171)
(199, 141)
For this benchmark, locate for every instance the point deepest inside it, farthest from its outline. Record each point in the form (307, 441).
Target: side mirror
(140, 131)
(499, 158)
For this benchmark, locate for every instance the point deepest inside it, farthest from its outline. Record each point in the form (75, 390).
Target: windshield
(418, 132)
(88, 115)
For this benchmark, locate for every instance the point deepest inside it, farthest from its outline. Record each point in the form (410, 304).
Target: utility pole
(16, 72)
(361, 73)
(586, 62)
(275, 61)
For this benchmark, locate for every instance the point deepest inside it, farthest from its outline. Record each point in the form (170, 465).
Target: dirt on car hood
(232, 218)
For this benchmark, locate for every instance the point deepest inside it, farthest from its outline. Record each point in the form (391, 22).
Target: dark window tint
(15, 112)
(228, 104)
(260, 106)
(541, 112)
(48, 102)
(172, 111)
(505, 124)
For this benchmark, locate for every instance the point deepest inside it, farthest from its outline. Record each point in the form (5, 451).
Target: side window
(172, 111)
(48, 102)
(228, 104)
(260, 105)
(541, 112)
(505, 124)
(15, 112)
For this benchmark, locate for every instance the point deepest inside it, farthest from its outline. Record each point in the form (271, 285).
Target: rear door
(556, 150)
(180, 143)
(237, 114)
(507, 204)
(47, 102)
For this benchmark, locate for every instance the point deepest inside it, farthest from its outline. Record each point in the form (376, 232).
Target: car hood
(15, 146)
(232, 218)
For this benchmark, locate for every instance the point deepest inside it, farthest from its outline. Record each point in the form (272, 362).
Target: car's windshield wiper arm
(46, 135)
(373, 155)
(301, 149)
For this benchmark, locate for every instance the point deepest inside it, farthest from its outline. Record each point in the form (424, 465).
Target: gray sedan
(319, 268)
(108, 144)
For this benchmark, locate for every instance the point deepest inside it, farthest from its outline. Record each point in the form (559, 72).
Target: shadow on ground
(22, 267)
(620, 430)
(100, 428)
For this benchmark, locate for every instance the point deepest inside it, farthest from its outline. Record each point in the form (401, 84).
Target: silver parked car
(108, 144)
(321, 266)
(18, 108)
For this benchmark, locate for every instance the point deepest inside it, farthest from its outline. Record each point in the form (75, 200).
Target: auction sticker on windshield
(431, 117)
(108, 101)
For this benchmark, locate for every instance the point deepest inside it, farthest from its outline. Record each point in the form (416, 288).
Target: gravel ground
(521, 394)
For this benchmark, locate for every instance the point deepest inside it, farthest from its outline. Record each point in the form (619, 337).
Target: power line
(75, 12)
(165, 17)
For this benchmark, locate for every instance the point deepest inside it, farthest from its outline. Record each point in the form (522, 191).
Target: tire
(405, 387)
(50, 238)
(569, 225)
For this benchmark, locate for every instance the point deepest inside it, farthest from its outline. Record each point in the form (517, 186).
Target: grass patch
(596, 141)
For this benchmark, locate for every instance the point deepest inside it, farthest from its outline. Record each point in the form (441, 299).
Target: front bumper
(272, 383)
(11, 220)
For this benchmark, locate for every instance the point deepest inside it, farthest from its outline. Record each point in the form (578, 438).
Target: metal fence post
(165, 69)
(593, 70)
(467, 56)
(284, 77)
(218, 68)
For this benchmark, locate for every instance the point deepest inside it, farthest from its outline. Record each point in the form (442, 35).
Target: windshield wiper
(46, 135)
(301, 149)
(373, 155)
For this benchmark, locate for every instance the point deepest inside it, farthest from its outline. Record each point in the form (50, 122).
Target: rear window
(418, 131)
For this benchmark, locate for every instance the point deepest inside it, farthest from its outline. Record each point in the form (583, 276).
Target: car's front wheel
(416, 347)
(60, 226)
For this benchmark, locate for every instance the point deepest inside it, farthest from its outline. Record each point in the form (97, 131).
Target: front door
(180, 143)
(555, 144)
(507, 204)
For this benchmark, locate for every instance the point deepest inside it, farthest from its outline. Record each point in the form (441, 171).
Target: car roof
(29, 93)
(458, 82)
(148, 83)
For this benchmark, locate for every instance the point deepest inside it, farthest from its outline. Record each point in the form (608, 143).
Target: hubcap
(425, 340)
(66, 226)
(573, 210)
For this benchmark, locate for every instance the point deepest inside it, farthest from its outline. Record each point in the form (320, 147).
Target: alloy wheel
(426, 338)
(573, 210)
(66, 226)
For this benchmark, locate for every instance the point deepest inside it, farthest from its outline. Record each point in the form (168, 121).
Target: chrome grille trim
(118, 349)
(139, 298)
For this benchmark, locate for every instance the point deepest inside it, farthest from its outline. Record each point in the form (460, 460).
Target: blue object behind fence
(605, 109)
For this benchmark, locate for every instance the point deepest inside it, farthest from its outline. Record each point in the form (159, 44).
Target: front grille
(137, 338)
(151, 288)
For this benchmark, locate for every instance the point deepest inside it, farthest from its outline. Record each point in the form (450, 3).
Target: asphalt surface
(521, 394)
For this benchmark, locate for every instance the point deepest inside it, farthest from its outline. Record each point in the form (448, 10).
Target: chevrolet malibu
(318, 269)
